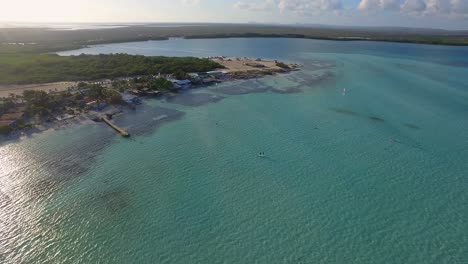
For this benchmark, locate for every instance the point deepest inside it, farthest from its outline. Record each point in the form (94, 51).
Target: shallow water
(366, 162)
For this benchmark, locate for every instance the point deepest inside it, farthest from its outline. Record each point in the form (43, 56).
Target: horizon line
(129, 23)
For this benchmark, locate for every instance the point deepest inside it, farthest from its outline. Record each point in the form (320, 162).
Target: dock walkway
(121, 131)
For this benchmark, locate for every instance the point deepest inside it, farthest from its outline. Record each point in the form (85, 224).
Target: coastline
(232, 69)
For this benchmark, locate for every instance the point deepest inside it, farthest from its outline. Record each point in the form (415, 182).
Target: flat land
(33, 68)
(46, 40)
(245, 64)
(6, 90)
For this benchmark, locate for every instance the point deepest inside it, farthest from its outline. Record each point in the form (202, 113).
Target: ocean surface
(366, 162)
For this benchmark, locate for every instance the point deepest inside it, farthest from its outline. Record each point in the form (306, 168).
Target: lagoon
(366, 162)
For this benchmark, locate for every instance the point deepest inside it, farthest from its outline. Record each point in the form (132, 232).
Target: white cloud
(390, 4)
(411, 6)
(460, 6)
(264, 6)
(438, 6)
(297, 6)
(369, 5)
(377, 5)
(443, 8)
(190, 2)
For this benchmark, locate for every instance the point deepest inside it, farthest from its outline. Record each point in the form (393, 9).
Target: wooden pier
(121, 131)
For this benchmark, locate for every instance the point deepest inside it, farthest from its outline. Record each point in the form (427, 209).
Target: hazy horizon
(97, 25)
(441, 14)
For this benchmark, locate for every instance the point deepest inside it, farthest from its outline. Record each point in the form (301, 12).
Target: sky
(449, 14)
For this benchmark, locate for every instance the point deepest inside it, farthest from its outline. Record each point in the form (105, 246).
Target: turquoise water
(366, 162)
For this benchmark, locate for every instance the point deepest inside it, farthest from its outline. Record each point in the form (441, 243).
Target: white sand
(240, 64)
(6, 90)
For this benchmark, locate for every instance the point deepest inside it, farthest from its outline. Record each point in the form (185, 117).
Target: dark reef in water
(247, 87)
(146, 119)
(114, 201)
(312, 78)
(194, 99)
(375, 118)
(344, 111)
(349, 112)
(287, 90)
(412, 126)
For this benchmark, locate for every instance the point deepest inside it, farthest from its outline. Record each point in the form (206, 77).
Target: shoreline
(234, 69)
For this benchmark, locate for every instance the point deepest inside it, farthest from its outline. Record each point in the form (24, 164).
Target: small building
(131, 99)
(95, 106)
(210, 80)
(85, 92)
(64, 117)
(215, 73)
(202, 75)
(181, 84)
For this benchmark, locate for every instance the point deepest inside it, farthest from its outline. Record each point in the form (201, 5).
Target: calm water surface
(366, 162)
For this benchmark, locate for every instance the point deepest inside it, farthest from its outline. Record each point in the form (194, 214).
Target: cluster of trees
(5, 104)
(43, 68)
(282, 65)
(160, 84)
(41, 103)
(5, 130)
(103, 94)
(152, 83)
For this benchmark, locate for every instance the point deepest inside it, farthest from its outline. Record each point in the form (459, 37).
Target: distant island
(46, 40)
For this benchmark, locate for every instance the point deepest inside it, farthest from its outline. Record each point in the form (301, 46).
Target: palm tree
(12, 97)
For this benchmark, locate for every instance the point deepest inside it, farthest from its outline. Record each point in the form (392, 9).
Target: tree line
(44, 68)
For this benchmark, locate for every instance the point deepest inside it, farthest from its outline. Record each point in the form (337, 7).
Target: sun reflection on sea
(20, 211)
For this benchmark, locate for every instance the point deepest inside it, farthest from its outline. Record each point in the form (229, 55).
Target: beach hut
(131, 99)
(182, 84)
(95, 106)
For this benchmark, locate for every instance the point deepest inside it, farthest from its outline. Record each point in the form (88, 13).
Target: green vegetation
(102, 94)
(5, 130)
(160, 84)
(145, 82)
(25, 125)
(283, 65)
(181, 74)
(43, 68)
(41, 103)
(55, 40)
(5, 104)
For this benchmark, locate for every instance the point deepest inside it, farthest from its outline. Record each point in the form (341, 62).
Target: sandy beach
(6, 90)
(245, 64)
